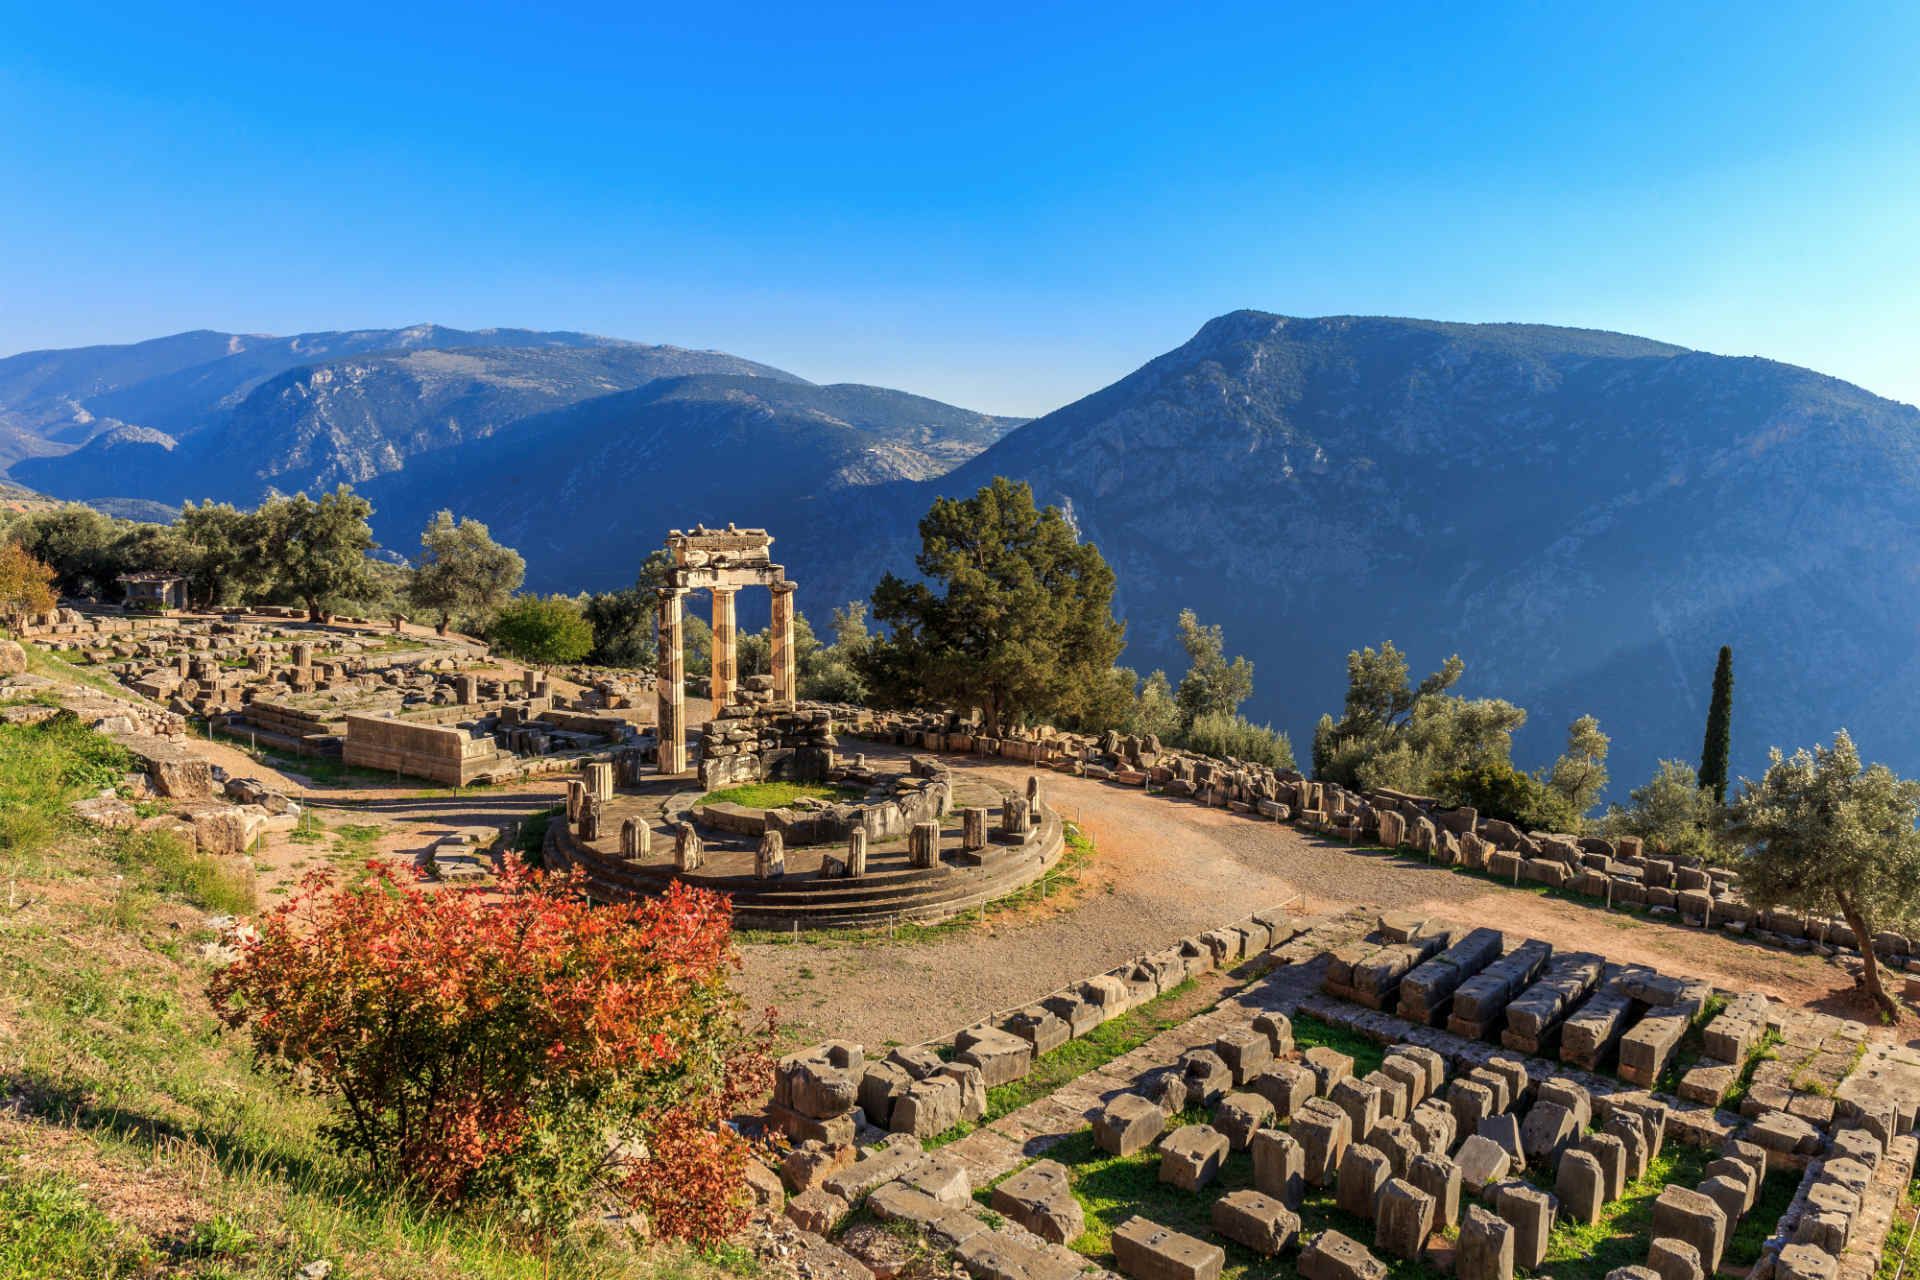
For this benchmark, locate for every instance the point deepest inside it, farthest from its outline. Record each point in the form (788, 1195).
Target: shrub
(1215, 733)
(520, 1045)
(544, 629)
(1498, 790)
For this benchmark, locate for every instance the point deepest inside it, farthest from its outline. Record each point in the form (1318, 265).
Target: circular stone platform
(890, 892)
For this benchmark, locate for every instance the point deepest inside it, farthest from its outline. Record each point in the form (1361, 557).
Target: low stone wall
(440, 753)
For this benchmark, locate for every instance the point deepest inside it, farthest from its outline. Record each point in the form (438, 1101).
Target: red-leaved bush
(515, 1042)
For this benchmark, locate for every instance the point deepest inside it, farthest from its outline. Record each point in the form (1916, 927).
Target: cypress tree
(1719, 741)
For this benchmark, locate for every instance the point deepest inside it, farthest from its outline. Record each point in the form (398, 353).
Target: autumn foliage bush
(517, 1043)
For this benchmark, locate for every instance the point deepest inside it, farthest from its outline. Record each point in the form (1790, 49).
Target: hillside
(1584, 517)
(586, 492)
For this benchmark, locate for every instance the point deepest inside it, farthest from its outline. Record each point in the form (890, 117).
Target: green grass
(49, 1230)
(533, 834)
(1764, 1050)
(1900, 1238)
(778, 795)
(1310, 1032)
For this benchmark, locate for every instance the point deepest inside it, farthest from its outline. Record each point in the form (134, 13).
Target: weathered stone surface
(1632, 1133)
(999, 1255)
(1191, 1156)
(1610, 1153)
(1040, 1198)
(1547, 1130)
(1439, 1177)
(1805, 1262)
(1039, 1027)
(1260, 1222)
(1530, 1210)
(1287, 1085)
(1127, 1123)
(1279, 1166)
(1689, 1216)
(822, 1082)
(1246, 1052)
(1146, 1250)
(1208, 1077)
(1672, 1259)
(928, 1107)
(1324, 1132)
(1001, 1056)
(1472, 1101)
(1361, 1102)
(1333, 1256)
(810, 1163)
(1482, 1163)
(1239, 1115)
(1403, 1218)
(1329, 1067)
(1363, 1172)
(1505, 1130)
(1484, 1250)
(817, 1210)
(1581, 1187)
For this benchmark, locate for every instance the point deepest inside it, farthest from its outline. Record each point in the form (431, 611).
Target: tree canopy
(1718, 743)
(461, 570)
(1213, 686)
(1014, 614)
(26, 584)
(543, 629)
(1395, 734)
(1823, 832)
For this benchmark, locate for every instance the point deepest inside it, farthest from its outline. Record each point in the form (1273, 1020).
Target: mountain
(347, 418)
(1585, 517)
(586, 491)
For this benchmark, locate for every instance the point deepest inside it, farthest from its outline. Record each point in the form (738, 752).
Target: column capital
(783, 587)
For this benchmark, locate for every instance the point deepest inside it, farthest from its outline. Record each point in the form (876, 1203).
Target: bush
(519, 1045)
(544, 629)
(1498, 790)
(1214, 733)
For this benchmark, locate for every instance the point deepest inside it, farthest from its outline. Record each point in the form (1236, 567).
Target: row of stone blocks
(827, 1092)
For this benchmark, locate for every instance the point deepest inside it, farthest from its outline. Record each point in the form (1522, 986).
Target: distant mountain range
(1585, 517)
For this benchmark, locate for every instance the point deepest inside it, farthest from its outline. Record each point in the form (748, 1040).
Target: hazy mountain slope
(586, 492)
(354, 418)
(1585, 517)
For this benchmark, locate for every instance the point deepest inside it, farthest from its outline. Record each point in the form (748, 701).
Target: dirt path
(1165, 869)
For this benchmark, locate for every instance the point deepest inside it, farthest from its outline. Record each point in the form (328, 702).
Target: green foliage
(1821, 831)
(1021, 624)
(1580, 774)
(1154, 710)
(777, 795)
(1498, 790)
(1719, 740)
(543, 629)
(462, 571)
(1672, 815)
(1212, 686)
(316, 552)
(49, 1230)
(1229, 736)
(831, 672)
(1392, 734)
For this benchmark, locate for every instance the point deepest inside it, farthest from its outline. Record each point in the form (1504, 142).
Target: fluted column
(782, 646)
(726, 666)
(670, 687)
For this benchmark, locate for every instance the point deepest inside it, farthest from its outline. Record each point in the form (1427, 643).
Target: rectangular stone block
(1145, 1250)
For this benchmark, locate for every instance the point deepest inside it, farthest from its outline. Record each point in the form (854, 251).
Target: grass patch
(49, 1230)
(1900, 1237)
(778, 795)
(1310, 1032)
(533, 834)
(1765, 1050)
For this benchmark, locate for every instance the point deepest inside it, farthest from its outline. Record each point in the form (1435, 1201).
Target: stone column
(782, 645)
(726, 667)
(688, 851)
(770, 860)
(670, 686)
(592, 810)
(1016, 819)
(923, 845)
(857, 852)
(576, 797)
(973, 830)
(636, 838)
(599, 780)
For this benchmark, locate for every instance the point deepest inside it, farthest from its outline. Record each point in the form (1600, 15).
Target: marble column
(782, 645)
(726, 667)
(670, 687)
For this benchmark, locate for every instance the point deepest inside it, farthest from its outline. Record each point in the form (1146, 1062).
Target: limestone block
(1395, 1140)
(1191, 1156)
(1531, 1212)
(1324, 1132)
(1240, 1115)
(973, 1088)
(1361, 1102)
(927, 1108)
(1208, 1078)
(1577, 1101)
(1395, 1098)
(822, 1082)
(1001, 1056)
(1040, 1028)
(810, 1163)
(1581, 1186)
(1256, 1221)
(1483, 1163)
(1333, 1256)
(1166, 1089)
(1127, 1123)
(1484, 1250)
(1279, 1166)
(1687, 1215)
(1363, 1172)
(1287, 1085)
(1439, 1177)
(1472, 1101)
(1547, 1130)
(1403, 1218)
(817, 1210)
(1246, 1051)
(1146, 1250)
(1631, 1131)
(1277, 1029)
(1040, 1198)
(1672, 1259)
(1329, 1067)
(1805, 1262)
(1610, 1153)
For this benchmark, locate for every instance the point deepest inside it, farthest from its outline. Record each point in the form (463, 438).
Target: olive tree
(1822, 832)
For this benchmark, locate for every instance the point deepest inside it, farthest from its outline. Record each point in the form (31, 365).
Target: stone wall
(441, 753)
(747, 743)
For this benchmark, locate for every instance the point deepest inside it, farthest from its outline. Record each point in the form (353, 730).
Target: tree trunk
(313, 612)
(1870, 972)
(440, 627)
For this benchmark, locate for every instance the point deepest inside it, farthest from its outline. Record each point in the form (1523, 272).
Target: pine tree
(1719, 741)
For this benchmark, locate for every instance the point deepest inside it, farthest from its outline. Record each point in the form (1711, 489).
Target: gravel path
(1164, 869)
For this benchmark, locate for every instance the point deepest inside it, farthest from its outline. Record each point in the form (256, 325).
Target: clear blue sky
(1002, 209)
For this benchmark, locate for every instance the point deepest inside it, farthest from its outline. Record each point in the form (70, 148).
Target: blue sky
(1002, 208)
